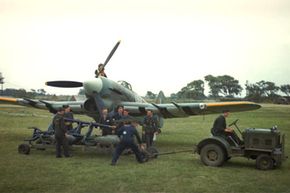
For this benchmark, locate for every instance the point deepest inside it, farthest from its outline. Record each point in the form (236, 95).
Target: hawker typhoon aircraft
(102, 92)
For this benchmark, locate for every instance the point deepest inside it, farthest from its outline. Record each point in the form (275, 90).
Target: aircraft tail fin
(160, 99)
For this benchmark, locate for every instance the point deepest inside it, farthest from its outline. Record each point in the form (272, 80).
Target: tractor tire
(212, 155)
(264, 162)
(24, 149)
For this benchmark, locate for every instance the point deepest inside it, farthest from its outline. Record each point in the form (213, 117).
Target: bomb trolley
(41, 140)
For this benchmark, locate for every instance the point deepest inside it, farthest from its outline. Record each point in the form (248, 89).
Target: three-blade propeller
(75, 84)
(109, 57)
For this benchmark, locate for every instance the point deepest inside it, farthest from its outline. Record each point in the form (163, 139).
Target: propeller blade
(64, 84)
(112, 52)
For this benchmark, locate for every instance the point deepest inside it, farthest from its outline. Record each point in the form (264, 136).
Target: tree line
(226, 86)
(22, 93)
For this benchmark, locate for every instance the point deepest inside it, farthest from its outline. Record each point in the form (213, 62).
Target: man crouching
(126, 134)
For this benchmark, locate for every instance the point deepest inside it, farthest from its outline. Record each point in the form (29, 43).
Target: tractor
(266, 146)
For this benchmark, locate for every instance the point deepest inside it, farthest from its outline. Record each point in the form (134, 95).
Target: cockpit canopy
(125, 84)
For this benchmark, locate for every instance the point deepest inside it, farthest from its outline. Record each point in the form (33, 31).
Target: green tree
(261, 90)
(194, 89)
(269, 89)
(214, 85)
(224, 85)
(229, 86)
(41, 92)
(253, 92)
(285, 89)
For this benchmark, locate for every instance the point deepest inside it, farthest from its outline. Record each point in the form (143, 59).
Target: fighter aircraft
(101, 92)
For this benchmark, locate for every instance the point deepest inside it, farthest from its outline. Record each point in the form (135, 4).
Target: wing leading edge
(170, 110)
(52, 106)
(175, 110)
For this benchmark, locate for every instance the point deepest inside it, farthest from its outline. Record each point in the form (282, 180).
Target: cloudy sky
(165, 43)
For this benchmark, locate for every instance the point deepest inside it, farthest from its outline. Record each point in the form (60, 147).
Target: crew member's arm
(63, 125)
(137, 136)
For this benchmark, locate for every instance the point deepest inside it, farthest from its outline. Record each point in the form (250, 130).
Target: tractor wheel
(264, 162)
(152, 151)
(24, 149)
(212, 155)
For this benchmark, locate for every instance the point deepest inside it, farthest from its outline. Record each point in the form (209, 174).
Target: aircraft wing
(52, 106)
(174, 110)
(170, 110)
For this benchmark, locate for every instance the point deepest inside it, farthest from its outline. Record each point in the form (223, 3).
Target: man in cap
(220, 128)
(60, 131)
(150, 128)
(116, 116)
(220, 125)
(106, 120)
(100, 71)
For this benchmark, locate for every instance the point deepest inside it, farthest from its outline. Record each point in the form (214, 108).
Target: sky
(165, 44)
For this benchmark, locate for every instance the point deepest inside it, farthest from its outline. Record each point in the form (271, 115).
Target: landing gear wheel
(24, 149)
(152, 151)
(264, 162)
(212, 155)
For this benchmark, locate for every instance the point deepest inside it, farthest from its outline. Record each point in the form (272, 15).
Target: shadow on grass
(238, 164)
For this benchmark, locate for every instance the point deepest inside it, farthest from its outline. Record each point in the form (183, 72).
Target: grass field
(89, 171)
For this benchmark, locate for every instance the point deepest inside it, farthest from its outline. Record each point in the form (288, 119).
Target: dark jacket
(68, 115)
(127, 133)
(219, 126)
(106, 121)
(59, 125)
(150, 124)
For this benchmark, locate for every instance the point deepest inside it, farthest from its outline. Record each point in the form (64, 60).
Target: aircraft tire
(24, 149)
(212, 155)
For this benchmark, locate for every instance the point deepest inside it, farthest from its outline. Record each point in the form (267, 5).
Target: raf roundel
(202, 106)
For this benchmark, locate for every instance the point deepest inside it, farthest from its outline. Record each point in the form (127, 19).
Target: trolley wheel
(153, 152)
(24, 149)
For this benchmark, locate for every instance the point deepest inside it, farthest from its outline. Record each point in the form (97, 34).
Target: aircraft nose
(93, 86)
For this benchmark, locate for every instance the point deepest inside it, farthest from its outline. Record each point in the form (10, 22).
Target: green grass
(89, 171)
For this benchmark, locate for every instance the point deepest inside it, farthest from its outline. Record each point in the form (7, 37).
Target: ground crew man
(100, 71)
(69, 115)
(60, 134)
(220, 128)
(117, 115)
(150, 128)
(106, 120)
(126, 134)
